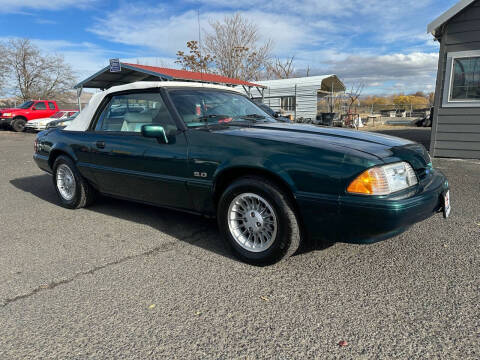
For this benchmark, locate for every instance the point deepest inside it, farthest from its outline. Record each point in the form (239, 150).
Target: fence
(388, 110)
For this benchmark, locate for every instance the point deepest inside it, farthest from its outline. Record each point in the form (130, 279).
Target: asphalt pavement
(121, 280)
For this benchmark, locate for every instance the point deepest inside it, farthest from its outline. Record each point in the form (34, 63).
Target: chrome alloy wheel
(66, 182)
(252, 222)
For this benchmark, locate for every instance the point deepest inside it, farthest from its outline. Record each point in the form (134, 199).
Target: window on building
(466, 79)
(288, 103)
(462, 79)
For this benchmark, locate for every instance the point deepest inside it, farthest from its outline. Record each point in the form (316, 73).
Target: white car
(41, 124)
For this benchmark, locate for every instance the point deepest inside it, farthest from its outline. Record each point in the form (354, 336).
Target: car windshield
(57, 115)
(26, 105)
(267, 109)
(200, 107)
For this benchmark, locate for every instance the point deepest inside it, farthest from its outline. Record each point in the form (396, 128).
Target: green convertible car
(210, 150)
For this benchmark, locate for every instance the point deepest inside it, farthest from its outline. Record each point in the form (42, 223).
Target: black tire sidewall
(15, 124)
(73, 203)
(283, 238)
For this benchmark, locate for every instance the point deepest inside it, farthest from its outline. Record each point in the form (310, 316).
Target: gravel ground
(122, 281)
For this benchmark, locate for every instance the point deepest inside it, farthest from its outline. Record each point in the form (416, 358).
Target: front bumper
(364, 219)
(35, 127)
(5, 121)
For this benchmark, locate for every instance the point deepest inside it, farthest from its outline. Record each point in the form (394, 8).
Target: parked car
(17, 118)
(210, 150)
(41, 124)
(61, 123)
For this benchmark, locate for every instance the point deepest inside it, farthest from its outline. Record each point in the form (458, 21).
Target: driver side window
(129, 112)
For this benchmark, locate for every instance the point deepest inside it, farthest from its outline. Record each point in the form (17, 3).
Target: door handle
(100, 144)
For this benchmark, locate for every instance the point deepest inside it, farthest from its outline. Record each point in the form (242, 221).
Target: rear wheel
(258, 221)
(18, 124)
(72, 189)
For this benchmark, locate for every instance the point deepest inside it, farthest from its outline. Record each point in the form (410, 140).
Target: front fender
(255, 164)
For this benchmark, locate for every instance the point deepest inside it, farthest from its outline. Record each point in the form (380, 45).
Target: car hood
(372, 144)
(9, 110)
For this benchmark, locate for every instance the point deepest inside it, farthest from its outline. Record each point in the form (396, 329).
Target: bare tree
(194, 61)
(307, 71)
(35, 75)
(3, 69)
(353, 95)
(279, 69)
(234, 44)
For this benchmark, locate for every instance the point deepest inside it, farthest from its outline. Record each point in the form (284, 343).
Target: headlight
(384, 180)
(7, 114)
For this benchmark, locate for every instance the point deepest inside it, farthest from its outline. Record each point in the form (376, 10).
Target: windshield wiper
(212, 116)
(252, 117)
(205, 119)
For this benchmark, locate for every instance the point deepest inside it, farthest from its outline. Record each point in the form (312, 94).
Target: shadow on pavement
(186, 227)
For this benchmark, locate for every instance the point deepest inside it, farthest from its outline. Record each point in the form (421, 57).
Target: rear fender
(60, 149)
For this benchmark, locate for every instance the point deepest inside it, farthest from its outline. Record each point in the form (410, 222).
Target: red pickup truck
(16, 118)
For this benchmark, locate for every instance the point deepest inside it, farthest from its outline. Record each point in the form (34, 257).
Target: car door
(130, 165)
(39, 110)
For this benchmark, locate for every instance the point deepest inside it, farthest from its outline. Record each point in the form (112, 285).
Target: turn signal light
(383, 180)
(370, 182)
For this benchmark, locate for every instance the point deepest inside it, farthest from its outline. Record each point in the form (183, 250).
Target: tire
(18, 125)
(265, 205)
(82, 193)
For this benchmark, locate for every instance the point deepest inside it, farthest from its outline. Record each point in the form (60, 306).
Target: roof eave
(446, 16)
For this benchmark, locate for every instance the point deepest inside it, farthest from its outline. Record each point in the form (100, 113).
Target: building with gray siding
(456, 123)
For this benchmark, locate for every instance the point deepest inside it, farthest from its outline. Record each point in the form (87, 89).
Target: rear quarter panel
(74, 144)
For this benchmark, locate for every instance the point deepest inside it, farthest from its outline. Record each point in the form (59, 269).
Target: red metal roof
(192, 75)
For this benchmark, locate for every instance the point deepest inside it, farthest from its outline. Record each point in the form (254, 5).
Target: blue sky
(382, 43)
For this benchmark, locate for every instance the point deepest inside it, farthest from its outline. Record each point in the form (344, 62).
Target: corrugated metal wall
(306, 99)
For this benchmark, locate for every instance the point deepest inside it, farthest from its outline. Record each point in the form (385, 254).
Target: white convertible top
(82, 121)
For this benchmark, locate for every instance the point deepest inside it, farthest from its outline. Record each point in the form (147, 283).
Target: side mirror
(34, 108)
(155, 131)
(276, 115)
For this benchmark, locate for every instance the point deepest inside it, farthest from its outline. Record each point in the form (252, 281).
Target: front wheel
(72, 189)
(18, 125)
(258, 221)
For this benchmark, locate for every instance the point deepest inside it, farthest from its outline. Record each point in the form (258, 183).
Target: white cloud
(383, 43)
(9, 6)
(387, 73)
(85, 58)
(156, 29)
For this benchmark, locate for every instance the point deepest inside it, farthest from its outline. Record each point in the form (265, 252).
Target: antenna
(199, 32)
(199, 41)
